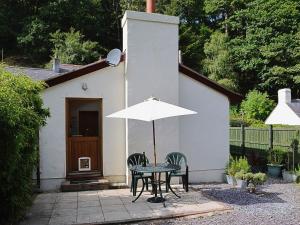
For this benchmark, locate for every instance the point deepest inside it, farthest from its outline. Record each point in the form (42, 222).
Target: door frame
(100, 131)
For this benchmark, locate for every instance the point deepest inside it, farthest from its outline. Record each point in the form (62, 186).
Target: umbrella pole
(154, 144)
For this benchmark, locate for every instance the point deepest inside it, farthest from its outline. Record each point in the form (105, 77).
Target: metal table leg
(159, 188)
(141, 190)
(157, 199)
(169, 186)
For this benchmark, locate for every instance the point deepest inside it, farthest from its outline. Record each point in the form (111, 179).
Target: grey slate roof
(41, 73)
(295, 106)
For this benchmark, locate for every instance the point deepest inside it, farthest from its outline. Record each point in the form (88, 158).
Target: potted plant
(234, 166)
(255, 181)
(275, 159)
(230, 170)
(291, 173)
(298, 173)
(291, 176)
(241, 181)
(259, 179)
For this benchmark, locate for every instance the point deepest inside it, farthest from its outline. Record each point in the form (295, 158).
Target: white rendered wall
(204, 138)
(106, 83)
(151, 45)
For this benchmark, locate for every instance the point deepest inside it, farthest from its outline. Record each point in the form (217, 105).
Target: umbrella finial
(152, 98)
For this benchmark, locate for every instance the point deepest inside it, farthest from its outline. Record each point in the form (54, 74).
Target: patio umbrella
(150, 110)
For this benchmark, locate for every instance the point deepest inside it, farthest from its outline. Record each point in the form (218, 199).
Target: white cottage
(287, 110)
(80, 99)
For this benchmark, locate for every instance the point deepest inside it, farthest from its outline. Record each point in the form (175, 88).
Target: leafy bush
(21, 116)
(240, 175)
(255, 178)
(276, 156)
(259, 178)
(243, 164)
(231, 167)
(257, 105)
(237, 165)
(238, 121)
(70, 47)
(228, 83)
(297, 170)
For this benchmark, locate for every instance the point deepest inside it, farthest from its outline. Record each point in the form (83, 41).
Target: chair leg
(134, 187)
(187, 184)
(187, 179)
(131, 186)
(167, 189)
(146, 183)
(183, 182)
(169, 182)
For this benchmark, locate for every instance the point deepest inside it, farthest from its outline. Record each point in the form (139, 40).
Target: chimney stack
(56, 65)
(284, 95)
(150, 8)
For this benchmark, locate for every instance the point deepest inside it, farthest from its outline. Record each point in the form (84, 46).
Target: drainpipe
(38, 170)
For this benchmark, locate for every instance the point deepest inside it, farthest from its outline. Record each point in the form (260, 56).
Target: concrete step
(118, 185)
(84, 175)
(85, 185)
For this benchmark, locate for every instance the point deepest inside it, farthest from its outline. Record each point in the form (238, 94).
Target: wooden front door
(84, 136)
(80, 147)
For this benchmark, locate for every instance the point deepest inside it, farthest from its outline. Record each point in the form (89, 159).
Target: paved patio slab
(113, 206)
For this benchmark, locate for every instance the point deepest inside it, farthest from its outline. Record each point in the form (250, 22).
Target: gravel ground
(276, 203)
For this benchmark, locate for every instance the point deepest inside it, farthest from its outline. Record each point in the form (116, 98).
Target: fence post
(243, 138)
(270, 137)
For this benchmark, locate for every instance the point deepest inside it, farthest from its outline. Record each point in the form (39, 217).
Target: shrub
(259, 178)
(257, 105)
(240, 175)
(255, 178)
(21, 116)
(228, 83)
(231, 167)
(248, 176)
(297, 170)
(70, 47)
(237, 165)
(243, 164)
(277, 156)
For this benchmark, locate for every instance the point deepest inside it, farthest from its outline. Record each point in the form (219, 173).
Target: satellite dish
(113, 57)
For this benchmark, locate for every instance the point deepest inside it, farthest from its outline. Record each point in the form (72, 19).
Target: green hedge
(21, 115)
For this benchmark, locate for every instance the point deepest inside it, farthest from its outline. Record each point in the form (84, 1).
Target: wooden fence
(255, 143)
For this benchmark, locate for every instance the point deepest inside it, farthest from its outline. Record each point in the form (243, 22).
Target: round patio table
(156, 182)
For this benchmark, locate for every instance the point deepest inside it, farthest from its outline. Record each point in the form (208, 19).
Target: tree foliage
(217, 64)
(70, 47)
(228, 83)
(252, 43)
(21, 115)
(265, 44)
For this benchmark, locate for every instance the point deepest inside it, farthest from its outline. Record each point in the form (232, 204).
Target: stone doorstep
(100, 184)
(118, 186)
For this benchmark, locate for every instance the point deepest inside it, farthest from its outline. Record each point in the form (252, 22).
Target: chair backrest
(176, 158)
(136, 159)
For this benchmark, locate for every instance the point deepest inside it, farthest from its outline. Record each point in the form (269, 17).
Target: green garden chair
(179, 159)
(133, 160)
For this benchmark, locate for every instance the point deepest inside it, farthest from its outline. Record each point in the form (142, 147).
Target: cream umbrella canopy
(150, 110)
